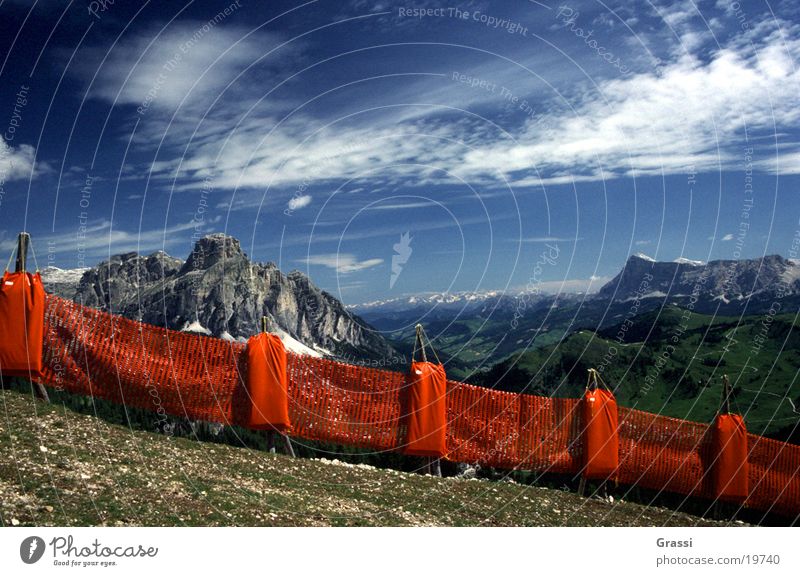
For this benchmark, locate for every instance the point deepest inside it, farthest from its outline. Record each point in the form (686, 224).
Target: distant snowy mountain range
(219, 292)
(724, 280)
(444, 299)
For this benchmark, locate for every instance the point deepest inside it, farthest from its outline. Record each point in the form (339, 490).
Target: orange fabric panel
(600, 436)
(548, 430)
(730, 451)
(22, 304)
(267, 383)
(427, 410)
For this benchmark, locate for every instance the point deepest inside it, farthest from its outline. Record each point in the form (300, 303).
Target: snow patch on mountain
(683, 260)
(295, 346)
(196, 328)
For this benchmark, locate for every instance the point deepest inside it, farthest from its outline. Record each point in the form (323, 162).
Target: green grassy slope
(59, 467)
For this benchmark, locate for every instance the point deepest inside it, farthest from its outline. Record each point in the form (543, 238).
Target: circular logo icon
(31, 550)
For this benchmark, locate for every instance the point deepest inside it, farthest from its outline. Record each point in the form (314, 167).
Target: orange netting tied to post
(267, 385)
(600, 436)
(22, 304)
(94, 353)
(730, 452)
(426, 418)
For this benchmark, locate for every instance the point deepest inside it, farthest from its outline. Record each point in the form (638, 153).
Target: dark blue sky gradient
(319, 136)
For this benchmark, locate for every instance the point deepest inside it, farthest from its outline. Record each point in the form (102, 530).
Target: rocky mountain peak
(716, 281)
(218, 291)
(640, 257)
(211, 250)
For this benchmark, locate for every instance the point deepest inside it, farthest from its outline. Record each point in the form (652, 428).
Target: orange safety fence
(90, 352)
(506, 430)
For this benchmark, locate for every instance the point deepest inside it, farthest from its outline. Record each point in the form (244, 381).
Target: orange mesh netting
(507, 430)
(662, 453)
(90, 352)
(773, 474)
(346, 404)
(94, 353)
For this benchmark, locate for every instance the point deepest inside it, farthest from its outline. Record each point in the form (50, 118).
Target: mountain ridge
(724, 280)
(219, 291)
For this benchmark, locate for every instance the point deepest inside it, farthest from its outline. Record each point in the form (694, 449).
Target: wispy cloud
(544, 239)
(589, 285)
(186, 63)
(100, 238)
(690, 113)
(298, 202)
(403, 205)
(342, 263)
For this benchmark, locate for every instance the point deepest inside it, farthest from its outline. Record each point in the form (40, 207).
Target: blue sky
(320, 133)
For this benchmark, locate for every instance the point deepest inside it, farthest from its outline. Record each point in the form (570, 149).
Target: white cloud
(16, 163)
(589, 285)
(342, 263)
(782, 162)
(404, 205)
(727, 238)
(690, 114)
(298, 202)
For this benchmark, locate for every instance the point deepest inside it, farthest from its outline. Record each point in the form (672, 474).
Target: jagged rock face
(221, 289)
(721, 280)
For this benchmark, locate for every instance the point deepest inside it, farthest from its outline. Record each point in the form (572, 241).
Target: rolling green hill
(672, 362)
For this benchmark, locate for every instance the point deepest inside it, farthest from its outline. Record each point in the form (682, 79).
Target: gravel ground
(61, 468)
